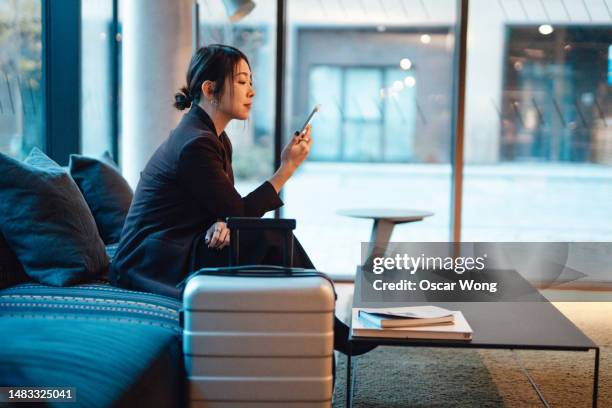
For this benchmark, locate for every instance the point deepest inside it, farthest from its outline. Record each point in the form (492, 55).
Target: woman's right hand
(292, 156)
(297, 149)
(218, 235)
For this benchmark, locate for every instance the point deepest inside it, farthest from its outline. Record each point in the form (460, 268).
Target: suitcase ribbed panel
(296, 389)
(258, 321)
(259, 342)
(258, 366)
(221, 293)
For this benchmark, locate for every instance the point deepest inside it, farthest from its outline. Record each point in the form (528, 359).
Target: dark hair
(215, 62)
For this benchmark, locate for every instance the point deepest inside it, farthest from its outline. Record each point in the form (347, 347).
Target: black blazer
(186, 186)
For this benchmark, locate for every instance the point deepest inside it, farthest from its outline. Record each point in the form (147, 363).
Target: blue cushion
(11, 271)
(107, 193)
(47, 223)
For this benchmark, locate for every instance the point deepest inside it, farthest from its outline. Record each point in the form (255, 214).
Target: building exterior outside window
(21, 109)
(364, 119)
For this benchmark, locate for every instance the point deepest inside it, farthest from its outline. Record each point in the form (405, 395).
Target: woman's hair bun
(182, 99)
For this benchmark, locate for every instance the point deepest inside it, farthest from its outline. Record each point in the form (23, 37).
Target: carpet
(426, 377)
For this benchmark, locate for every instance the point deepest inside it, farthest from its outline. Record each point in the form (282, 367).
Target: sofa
(61, 322)
(115, 347)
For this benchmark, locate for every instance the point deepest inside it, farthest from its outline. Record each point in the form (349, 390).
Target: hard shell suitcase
(259, 336)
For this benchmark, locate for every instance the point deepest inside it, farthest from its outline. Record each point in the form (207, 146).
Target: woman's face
(238, 93)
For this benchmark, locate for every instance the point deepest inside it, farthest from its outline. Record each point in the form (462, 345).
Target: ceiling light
(238, 9)
(405, 64)
(409, 81)
(545, 29)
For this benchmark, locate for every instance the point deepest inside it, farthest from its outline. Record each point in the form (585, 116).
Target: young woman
(175, 223)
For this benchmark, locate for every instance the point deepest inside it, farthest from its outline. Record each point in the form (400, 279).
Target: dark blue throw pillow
(46, 222)
(107, 193)
(11, 271)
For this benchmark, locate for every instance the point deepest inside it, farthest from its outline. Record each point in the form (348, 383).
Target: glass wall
(538, 122)
(255, 35)
(21, 108)
(96, 69)
(383, 74)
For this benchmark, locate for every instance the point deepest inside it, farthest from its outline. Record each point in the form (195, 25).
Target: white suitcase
(259, 341)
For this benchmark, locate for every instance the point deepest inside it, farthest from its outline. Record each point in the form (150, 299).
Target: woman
(175, 223)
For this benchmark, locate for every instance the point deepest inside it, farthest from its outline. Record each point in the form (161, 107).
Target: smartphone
(310, 117)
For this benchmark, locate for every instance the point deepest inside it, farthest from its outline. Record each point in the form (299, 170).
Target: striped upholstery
(117, 347)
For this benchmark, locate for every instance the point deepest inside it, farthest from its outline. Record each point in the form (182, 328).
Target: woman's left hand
(218, 235)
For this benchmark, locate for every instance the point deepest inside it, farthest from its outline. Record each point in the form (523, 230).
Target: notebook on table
(409, 316)
(458, 330)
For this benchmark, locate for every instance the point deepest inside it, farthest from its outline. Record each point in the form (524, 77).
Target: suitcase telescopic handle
(283, 225)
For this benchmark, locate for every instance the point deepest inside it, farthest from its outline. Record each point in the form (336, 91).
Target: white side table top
(388, 214)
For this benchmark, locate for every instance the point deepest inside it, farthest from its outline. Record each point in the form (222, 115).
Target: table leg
(596, 378)
(349, 377)
(381, 234)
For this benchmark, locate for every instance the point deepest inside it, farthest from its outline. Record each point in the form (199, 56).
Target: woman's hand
(292, 156)
(218, 235)
(297, 149)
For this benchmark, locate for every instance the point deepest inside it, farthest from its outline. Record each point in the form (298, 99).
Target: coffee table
(496, 325)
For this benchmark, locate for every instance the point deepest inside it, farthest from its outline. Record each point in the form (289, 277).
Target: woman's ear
(208, 89)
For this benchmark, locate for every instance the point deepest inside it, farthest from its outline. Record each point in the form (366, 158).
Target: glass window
(377, 120)
(400, 116)
(21, 109)
(96, 85)
(255, 35)
(362, 89)
(326, 89)
(538, 123)
(383, 74)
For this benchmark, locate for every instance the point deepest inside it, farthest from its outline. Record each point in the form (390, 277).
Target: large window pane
(400, 116)
(326, 88)
(96, 86)
(377, 123)
(382, 72)
(20, 77)
(538, 122)
(255, 35)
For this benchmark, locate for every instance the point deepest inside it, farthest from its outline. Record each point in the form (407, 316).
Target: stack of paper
(406, 316)
(414, 322)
